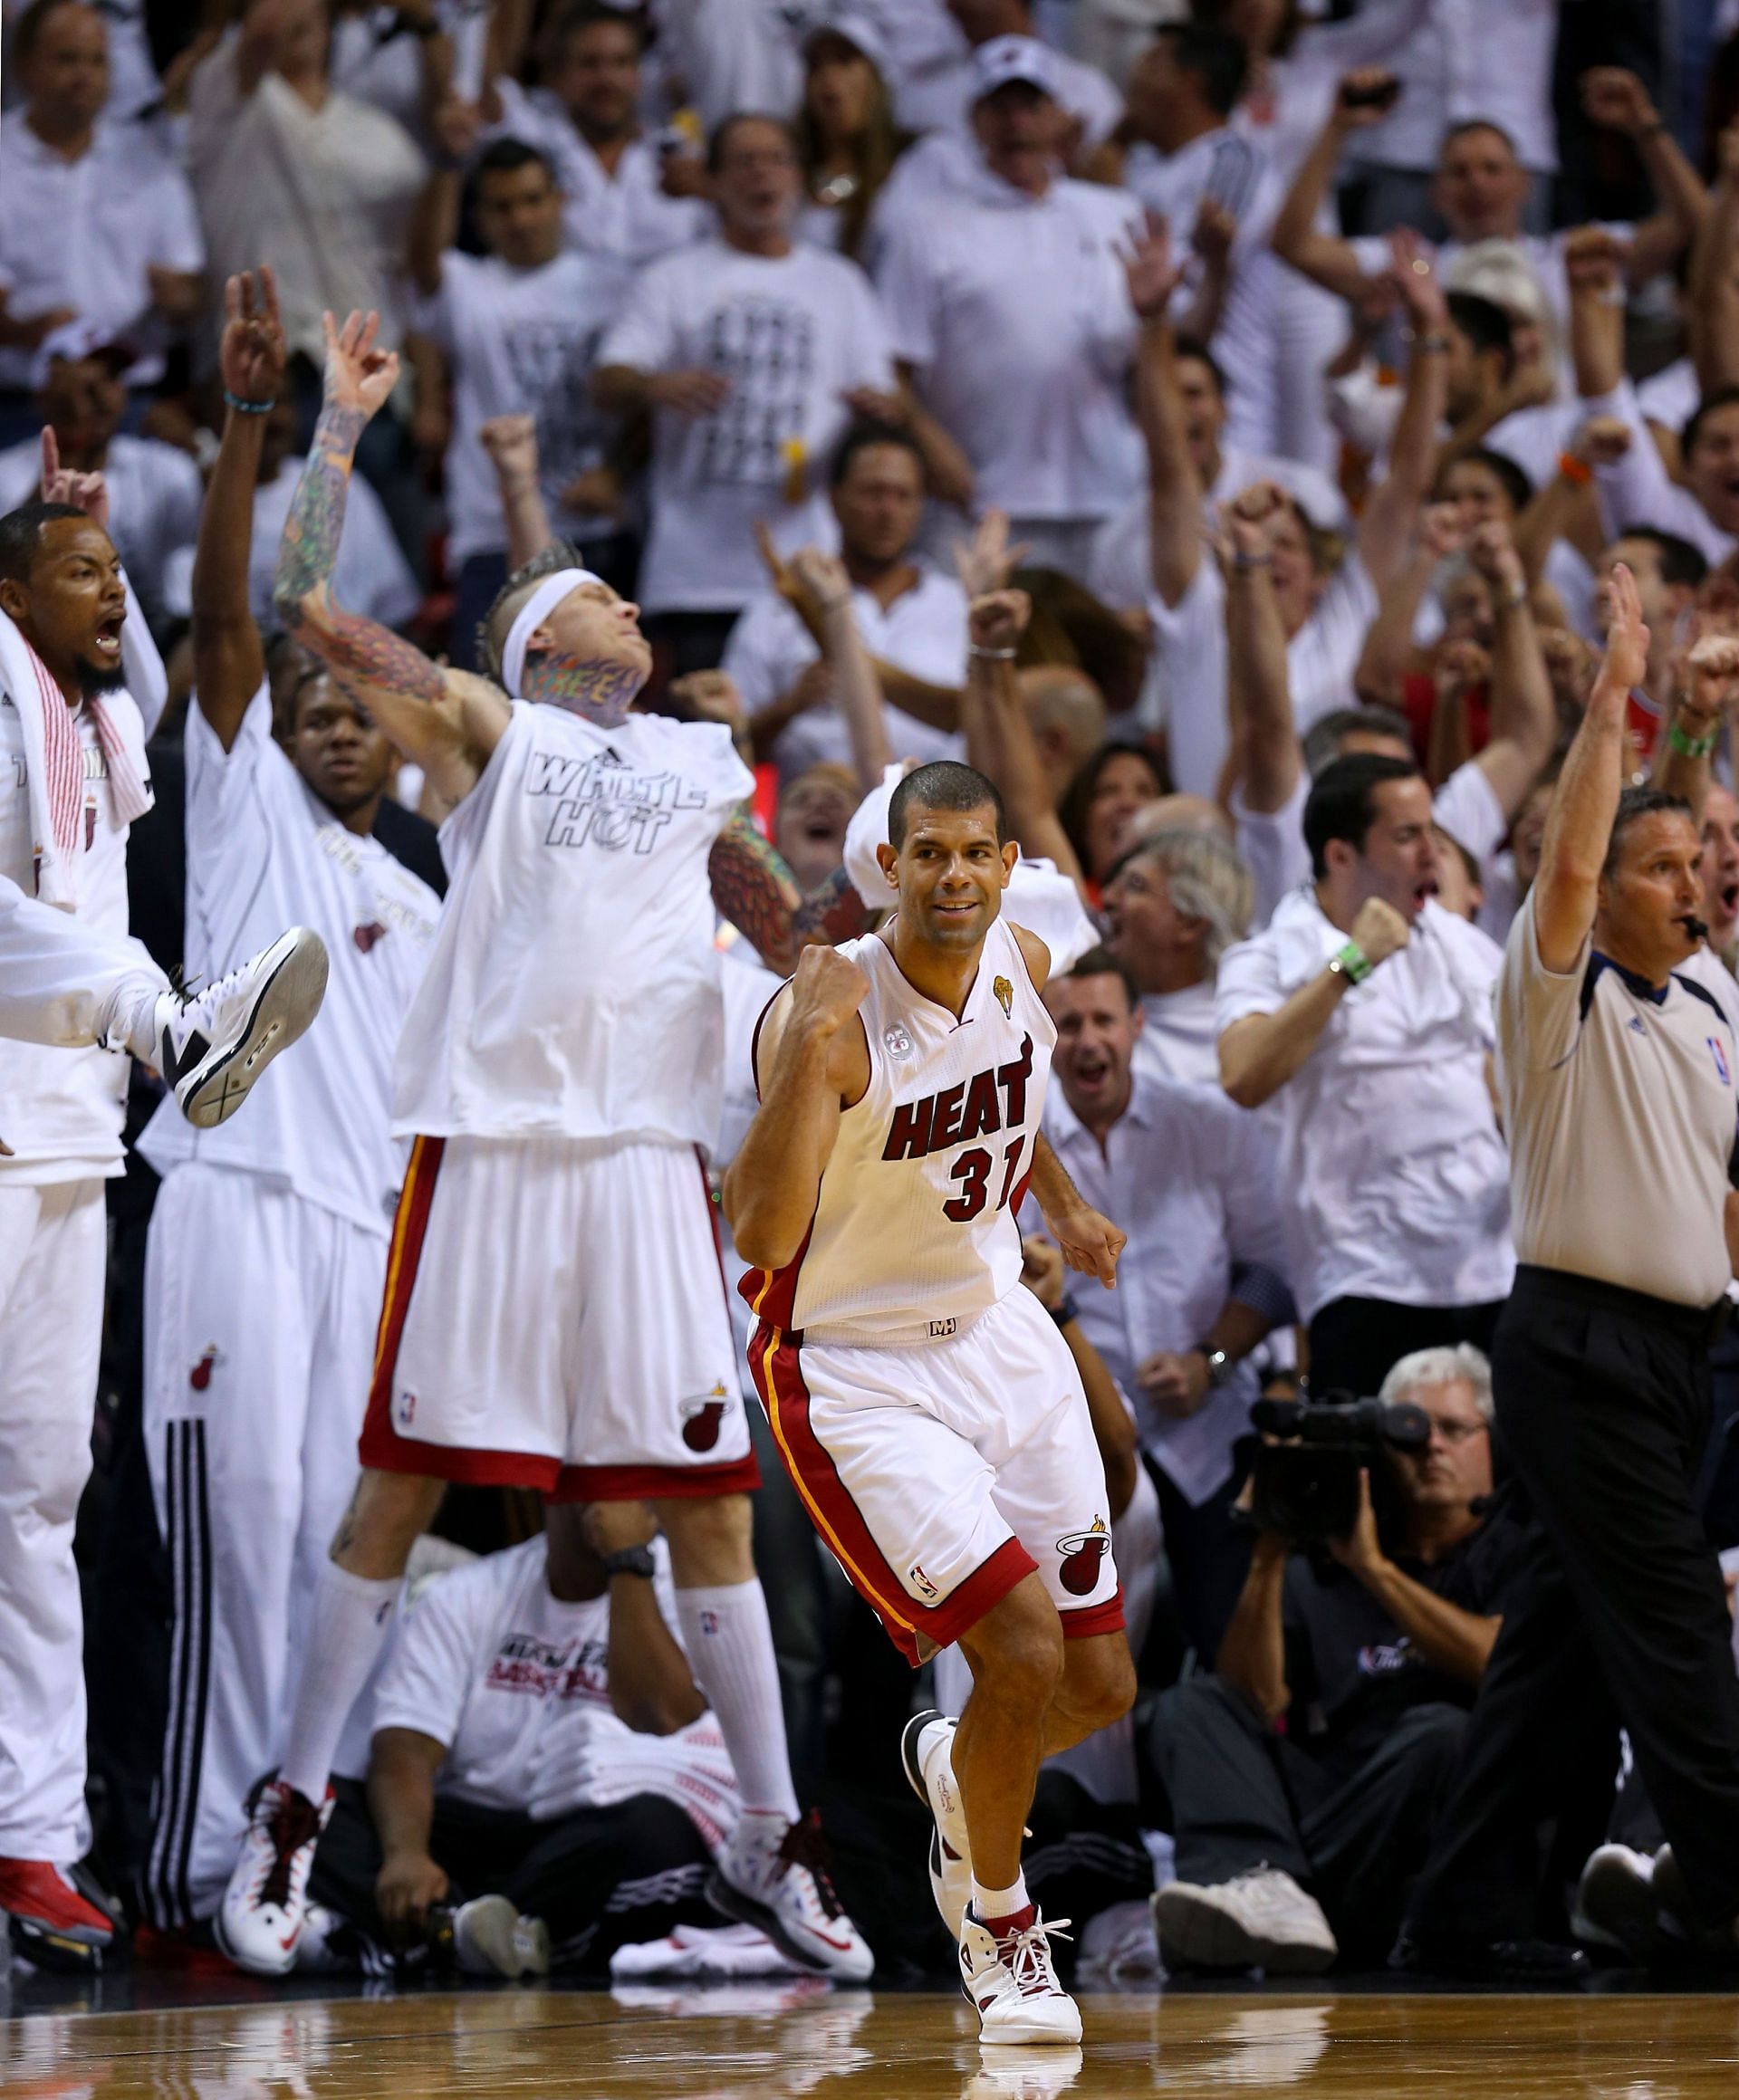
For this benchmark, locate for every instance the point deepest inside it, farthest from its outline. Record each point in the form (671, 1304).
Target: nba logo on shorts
(915, 1579)
(701, 1416)
(406, 1409)
(1082, 1553)
(1720, 1057)
(709, 1623)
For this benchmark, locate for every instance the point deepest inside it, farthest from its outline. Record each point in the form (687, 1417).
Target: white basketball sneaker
(212, 1045)
(773, 1874)
(260, 1920)
(491, 1938)
(1012, 1982)
(1258, 1919)
(926, 1750)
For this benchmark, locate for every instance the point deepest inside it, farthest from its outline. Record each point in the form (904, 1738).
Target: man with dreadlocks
(554, 1313)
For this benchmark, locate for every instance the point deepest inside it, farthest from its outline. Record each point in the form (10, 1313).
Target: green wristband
(1351, 962)
(1689, 746)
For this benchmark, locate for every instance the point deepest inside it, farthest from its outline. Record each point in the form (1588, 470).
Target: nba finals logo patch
(897, 1042)
(199, 1378)
(701, 1417)
(1004, 993)
(1720, 1057)
(1083, 1554)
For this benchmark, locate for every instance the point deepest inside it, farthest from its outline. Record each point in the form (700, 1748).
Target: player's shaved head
(945, 784)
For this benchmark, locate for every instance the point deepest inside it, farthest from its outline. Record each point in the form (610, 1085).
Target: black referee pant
(1617, 1613)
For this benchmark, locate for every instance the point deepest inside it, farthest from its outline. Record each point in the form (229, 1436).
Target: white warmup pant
(57, 977)
(52, 1247)
(259, 1312)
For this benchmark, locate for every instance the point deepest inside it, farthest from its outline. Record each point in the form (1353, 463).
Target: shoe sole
(1200, 1936)
(287, 1002)
(73, 1950)
(914, 1771)
(1012, 2034)
(488, 1934)
(748, 1909)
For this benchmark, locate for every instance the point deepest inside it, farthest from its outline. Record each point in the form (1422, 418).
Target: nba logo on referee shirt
(1720, 1057)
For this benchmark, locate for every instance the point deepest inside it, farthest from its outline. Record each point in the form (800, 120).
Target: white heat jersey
(914, 1233)
(264, 853)
(574, 986)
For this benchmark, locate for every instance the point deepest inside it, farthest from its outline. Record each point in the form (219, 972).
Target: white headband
(550, 592)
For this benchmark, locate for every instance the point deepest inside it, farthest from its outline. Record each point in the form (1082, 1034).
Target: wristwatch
(630, 1560)
(1220, 1367)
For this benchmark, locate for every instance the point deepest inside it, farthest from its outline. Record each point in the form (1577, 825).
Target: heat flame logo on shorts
(1082, 1553)
(199, 1378)
(701, 1418)
(1004, 996)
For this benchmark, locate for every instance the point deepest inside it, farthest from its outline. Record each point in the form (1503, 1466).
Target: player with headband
(555, 1314)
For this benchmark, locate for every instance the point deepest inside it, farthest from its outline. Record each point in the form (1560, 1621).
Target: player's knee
(710, 1540)
(1016, 1649)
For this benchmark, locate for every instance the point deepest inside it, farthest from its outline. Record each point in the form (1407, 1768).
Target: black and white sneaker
(212, 1045)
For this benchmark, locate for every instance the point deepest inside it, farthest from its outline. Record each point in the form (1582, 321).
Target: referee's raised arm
(1579, 825)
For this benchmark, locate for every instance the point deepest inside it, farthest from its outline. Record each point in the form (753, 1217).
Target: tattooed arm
(446, 721)
(753, 888)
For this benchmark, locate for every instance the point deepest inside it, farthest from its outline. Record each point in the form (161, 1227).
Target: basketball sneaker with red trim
(772, 1874)
(1009, 1977)
(266, 1906)
(927, 1752)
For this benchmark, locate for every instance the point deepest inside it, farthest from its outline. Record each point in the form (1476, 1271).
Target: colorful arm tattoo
(755, 890)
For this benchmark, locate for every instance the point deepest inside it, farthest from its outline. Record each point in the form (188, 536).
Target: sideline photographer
(1305, 1773)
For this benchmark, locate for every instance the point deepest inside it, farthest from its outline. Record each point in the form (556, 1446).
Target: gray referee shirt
(1620, 1107)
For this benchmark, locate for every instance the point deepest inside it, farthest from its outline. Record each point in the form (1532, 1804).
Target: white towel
(54, 763)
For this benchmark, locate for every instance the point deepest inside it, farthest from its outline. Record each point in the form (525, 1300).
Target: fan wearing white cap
(554, 1314)
(940, 97)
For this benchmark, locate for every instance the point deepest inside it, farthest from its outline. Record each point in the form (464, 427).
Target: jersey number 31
(972, 1171)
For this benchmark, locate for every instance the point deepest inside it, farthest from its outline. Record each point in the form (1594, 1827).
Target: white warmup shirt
(1620, 1105)
(574, 988)
(914, 1233)
(264, 853)
(156, 493)
(370, 575)
(1393, 1181)
(923, 631)
(521, 342)
(516, 1685)
(1013, 314)
(82, 234)
(1191, 1178)
(61, 1109)
(792, 334)
(624, 217)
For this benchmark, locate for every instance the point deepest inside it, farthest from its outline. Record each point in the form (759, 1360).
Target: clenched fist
(827, 989)
(1379, 931)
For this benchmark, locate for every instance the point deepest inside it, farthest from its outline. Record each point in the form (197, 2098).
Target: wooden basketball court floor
(745, 2042)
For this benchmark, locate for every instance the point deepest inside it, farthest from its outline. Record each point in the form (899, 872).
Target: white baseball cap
(1015, 58)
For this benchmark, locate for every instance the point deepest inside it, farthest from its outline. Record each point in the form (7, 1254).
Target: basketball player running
(554, 1314)
(925, 1404)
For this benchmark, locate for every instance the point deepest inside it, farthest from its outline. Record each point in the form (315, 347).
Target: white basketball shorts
(555, 1318)
(942, 1474)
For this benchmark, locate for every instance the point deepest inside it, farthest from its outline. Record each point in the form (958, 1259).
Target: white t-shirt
(155, 497)
(923, 631)
(370, 575)
(1179, 1039)
(264, 853)
(1394, 1180)
(516, 1685)
(574, 990)
(1013, 312)
(522, 342)
(624, 217)
(1191, 1179)
(792, 333)
(61, 1109)
(1189, 644)
(81, 234)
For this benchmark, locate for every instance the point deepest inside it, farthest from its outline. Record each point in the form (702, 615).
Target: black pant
(1243, 1796)
(1355, 1342)
(1617, 1612)
(600, 1878)
(1208, 1550)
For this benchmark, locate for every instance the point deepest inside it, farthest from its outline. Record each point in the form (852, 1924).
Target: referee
(1617, 1072)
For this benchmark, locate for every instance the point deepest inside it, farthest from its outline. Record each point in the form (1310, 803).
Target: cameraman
(1304, 1774)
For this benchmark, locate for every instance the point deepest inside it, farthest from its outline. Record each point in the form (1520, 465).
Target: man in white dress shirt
(1173, 906)
(908, 613)
(1365, 1009)
(1201, 1280)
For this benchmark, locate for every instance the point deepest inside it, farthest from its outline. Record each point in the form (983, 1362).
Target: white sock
(128, 1016)
(991, 1903)
(351, 1619)
(730, 1650)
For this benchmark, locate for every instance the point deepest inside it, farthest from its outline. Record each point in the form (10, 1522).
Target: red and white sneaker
(773, 1874)
(52, 1921)
(266, 1906)
(926, 1750)
(1009, 1978)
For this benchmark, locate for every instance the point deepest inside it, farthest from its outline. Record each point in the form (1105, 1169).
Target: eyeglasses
(1457, 1431)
